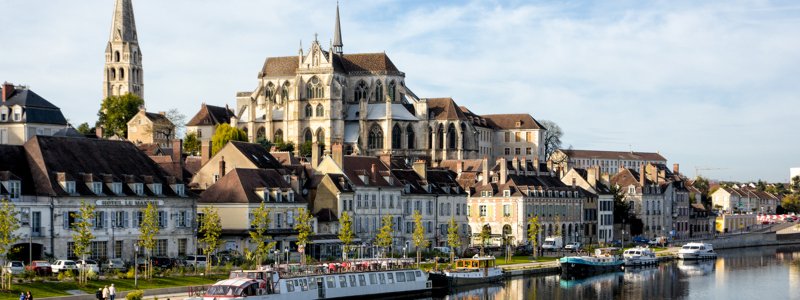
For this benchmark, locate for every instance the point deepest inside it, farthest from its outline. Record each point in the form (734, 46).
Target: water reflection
(753, 273)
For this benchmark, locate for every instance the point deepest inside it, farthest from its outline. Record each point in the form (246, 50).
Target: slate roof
(241, 186)
(157, 117)
(14, 161)
(622, 155)
(258, 155)
(211, 115)
(35, 108)
(285, 158)
(508, 121)
(346, 63)
(355, 166)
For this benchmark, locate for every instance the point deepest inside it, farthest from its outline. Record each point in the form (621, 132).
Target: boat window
(331, 282)
(390, 278)
(382, 278)
(419, 273)
(352, 280)
(362, 280)
(342, 281)
(290, 286)
(220, 290)
(410, 276)
(312, 284)
(686, 247)
(304, 284)
(251, 289)
(401, 277)
(373, 279)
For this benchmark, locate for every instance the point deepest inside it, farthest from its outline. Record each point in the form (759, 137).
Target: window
(507, 136)
(517, 151)
(307, 136)
(99, 219)
(506, 210)
(506, 193)
(430, 207)
(98, 250)
(314, 88)
(309, 111)
(118, 246)
(517, 136)
(375, 140)
(162, 219)
(14, 188)
(70, 218)
(528, 151)
(138, 188)
(360, 93)
(284, 93)
(392, 91)
(507, 151)
(397, 137)
(156, 188)
(36, 223)
(631, 190)
(378, 91)
(182, 247)
(138, 219)
(270, 92)
(161, 248)
(410, 137)
(320, 110)
(529, 136)
(482, 209)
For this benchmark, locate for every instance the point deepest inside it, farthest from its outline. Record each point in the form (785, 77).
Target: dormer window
(506, 193)
(631, 190)
(278, 196)
(287, 178)
(97, 187)
(68, 186)
(156, 188)
(179, 189)
(290, 196)
(138, 188)
(17, 114)
(364, 178)
(116, 188)
(14, 187)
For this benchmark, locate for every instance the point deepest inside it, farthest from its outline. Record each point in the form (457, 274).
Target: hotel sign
(129, 202)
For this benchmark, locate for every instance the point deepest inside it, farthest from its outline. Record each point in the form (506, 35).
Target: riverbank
(71, 290)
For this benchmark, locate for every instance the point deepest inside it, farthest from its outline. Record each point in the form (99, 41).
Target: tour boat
(479, 269)
(604, 260)
(697, 251)
(639, 256)
(268, 284)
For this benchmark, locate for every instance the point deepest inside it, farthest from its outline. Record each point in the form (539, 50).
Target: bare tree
(552, 138)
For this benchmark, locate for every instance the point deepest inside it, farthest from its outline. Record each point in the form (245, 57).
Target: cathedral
(361, 100)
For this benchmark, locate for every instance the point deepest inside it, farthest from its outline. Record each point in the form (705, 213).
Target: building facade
(24, 114)
(205, 122)
(593, 184)
(151, 128)
(608, 161)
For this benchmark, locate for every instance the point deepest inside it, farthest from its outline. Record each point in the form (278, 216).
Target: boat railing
(296, 270)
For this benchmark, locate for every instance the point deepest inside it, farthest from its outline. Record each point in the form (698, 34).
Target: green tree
(557, 226)
(533, 233)
(8, 224)
(191, 144)
(258, 235)
(84, 128)
(485, 236)
(622, 209)
(791, 202)
(796, 184)
(418, 237)
(211, 229)
(116, 111)
(82, 235)
(384, 238)
(345, 233)
(264, 142)
(147, 234)
(701, 183)
(284, 146)
(453, 238)
(304, 230)
(224, 134)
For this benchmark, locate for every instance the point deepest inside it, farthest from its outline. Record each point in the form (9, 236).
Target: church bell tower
(123, 67)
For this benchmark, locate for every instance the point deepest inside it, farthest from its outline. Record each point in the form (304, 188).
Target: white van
(197, 261)
(553, 243)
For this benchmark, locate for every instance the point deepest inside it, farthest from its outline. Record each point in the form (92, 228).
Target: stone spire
(337, 33)
(123, 67)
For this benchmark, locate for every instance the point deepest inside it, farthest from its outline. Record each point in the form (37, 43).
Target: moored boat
(692, 251)
(604, 260)
(467, 271)
(639, 256)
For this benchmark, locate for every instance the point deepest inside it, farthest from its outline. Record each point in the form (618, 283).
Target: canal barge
(468, 271)
(604, 260)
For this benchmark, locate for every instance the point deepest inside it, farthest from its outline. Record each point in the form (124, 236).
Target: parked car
(14, 268)
(575, 246)
(89, 265)
(64, 265)
(197, 261)
(661, 240)
(640, 240)
(40, 267)
(553, 243)
(443, 250)
(789, 219)
(115, 264)
(161, 262)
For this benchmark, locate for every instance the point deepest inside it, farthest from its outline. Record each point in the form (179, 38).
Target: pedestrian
(29, 296)
(22, 296)
(112, 292)
(99, 294)
(105, 293)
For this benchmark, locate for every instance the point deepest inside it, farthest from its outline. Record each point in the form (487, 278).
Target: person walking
(22, 296)
(29, 296)
(105, 293)
(112, 292)
(98, 294)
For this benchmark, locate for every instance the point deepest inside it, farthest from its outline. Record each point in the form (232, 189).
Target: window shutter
(66, 219)
(166, 220)
(125, 219)
(113, 219)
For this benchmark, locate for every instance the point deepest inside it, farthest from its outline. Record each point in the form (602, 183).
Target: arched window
(462, 135)
(378, 91)
(270, 92)
(278, 137)
(360, 93)
(309, 111)
(261, 133)
(133, 57)
(392, 91)
(112, 74)
(307, 135)
(430, 138)
(320, 110)
(440, 137)
(314, 88)
(451, 136)
(410, 137)
(321, 136)
(133, 76)
(375, 140)
(284, 92)
(116, 56)
(121, 73)
(397, 137)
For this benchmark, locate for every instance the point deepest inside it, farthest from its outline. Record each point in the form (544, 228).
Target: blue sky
(707, 84)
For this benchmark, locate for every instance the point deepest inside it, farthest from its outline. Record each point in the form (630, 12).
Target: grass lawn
(523, 259)
(54, 289)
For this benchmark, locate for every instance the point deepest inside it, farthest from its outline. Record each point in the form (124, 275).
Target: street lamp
(136, 265)
(286, 250)
(277, 254)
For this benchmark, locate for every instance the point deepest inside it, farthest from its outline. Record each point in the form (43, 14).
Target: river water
(763, 273)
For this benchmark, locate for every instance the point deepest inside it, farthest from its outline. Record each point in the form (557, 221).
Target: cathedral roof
(509, 121)
(211, 115)
(347, 63)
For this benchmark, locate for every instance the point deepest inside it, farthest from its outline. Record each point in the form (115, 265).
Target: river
(763, 273)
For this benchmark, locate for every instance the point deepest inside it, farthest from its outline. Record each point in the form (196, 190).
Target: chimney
(222, 167)
(515, 164)
(573, 182)
(337, 150)
(98, 131)
(592, 175)
(314, 155)
(420, 168)
(503, 170)
(536, 165)
(205, 152)
(676, 169)
(641, 175)
(177, 158)
(295, 183)
(163, 113)
(386, 158)
(8, 89)
(605, 178)
(373, 173)
(524, 166)
(459, 167)
(485, 169)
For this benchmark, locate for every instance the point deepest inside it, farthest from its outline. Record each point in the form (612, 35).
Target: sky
(711, 85)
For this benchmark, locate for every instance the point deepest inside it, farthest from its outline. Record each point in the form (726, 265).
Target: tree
(147, 234)
(345, 233)
(533, 233)
(384, 238)
(191, 144)
(761, 185)
(82, 236)
(84, 129)
(701, 184)
(116, 111)
(258, 233)
(305, 148)
(552, 137)
(622, 209)
(264, 142)
(178, 120)
(304, 230)
(418, 237)
(224, 134)
(453, 238)
(796, 184)
(791, 202)
(485, 236)
(557, 226)
(211, 229)
(284, 146)
(8, 224)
